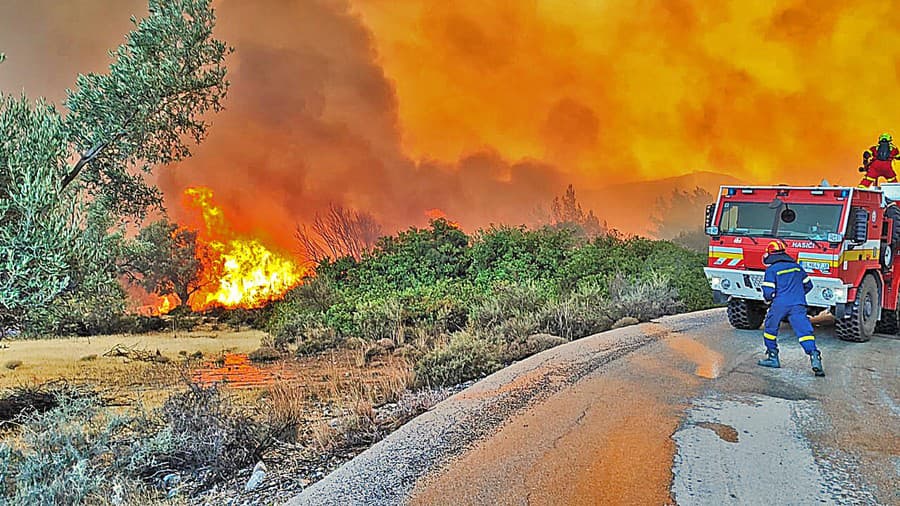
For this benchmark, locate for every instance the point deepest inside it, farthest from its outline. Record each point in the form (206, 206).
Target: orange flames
(237, 271)
(166, 303)
(437, 214)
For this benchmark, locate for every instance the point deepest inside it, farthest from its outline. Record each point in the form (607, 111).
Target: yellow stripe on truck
(859, 254)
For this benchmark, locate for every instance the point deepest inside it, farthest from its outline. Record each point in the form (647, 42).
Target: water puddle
(237, 371)
(725, 432)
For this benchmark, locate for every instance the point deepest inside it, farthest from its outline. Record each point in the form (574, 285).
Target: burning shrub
(466, 356)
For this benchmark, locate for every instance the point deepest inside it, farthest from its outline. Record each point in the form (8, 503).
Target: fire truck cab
(845, 239)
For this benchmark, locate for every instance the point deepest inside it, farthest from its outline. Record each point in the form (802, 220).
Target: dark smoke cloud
(312, 119)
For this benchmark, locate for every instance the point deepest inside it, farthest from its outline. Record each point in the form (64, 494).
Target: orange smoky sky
(486, 110)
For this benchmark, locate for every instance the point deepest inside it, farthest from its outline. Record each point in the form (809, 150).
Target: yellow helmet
(885, 137)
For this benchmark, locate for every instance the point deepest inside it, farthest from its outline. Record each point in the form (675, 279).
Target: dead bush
(27, 400)
(214, 437)
(265, 354)
(288, 405)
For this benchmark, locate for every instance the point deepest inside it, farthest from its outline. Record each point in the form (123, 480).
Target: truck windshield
(812, 221)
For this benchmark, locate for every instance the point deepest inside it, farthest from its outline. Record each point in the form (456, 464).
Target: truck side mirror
(710, 215)
(860, 233)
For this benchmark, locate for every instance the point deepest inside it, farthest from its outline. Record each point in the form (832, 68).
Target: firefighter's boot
(815, 360)
(771, 359)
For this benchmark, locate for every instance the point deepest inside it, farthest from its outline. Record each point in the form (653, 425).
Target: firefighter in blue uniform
(785, 286)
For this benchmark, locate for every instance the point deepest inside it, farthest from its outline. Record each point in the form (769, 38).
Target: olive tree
(72, 176)
(165, 259)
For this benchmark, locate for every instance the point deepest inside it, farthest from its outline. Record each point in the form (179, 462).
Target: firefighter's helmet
(885, 137)
(776, 246)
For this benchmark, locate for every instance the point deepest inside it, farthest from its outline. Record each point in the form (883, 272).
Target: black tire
(887, 256)
(858, 325)
(889, 323)
(893, 213)
(746, 314)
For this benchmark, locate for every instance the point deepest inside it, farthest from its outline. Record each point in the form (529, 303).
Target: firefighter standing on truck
(785, 286)
(878, 162)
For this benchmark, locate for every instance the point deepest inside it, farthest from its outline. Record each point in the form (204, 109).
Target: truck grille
(755, 280)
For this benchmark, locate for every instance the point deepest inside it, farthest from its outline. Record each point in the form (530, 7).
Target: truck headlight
(726, 284)
(827, 294)
(840, 295)
(715, 283)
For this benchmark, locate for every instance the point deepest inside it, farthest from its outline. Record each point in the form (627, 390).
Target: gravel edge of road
(387, 472)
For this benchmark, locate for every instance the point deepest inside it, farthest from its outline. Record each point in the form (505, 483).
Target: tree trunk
(182, 294)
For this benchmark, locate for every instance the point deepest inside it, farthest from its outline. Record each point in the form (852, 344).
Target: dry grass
(50, 359)
(354, 393)
(329, 399)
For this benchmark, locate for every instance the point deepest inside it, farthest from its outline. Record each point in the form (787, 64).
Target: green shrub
(316, 340)
(516, 254)
(380, 319)
(60, 456)
(644, 299)
(505, 282)
(465, 357)
(581, 313)
(509, 301)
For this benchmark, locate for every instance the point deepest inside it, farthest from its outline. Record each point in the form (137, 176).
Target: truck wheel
(859, 323)
(887, 255)
(889, 323)
(746, 314)
(893, 213)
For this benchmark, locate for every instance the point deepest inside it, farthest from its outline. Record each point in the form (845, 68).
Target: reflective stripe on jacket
(785, 282)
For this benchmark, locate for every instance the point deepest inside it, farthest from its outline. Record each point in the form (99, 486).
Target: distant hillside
(628, 206)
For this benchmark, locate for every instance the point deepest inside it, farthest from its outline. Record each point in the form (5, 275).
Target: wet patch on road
(708, 361)
(725, 432)
(728, 446)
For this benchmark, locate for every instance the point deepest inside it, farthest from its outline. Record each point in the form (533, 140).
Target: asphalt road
(671, 412)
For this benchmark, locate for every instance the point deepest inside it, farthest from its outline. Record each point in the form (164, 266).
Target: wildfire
(166, 304)
(437, 214)
(238, 272)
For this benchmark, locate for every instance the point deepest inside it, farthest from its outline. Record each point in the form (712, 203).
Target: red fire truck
(845, 239)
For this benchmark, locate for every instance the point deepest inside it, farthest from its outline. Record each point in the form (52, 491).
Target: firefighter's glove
(862, 169)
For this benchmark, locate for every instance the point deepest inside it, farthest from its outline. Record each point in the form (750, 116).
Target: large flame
(437, 214)
(165, 304)
(239, 272)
